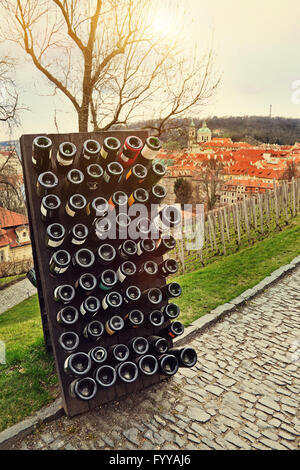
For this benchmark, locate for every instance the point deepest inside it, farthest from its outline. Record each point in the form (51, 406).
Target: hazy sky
(257, 44)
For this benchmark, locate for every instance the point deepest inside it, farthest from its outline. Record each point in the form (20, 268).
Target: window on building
(2, 255)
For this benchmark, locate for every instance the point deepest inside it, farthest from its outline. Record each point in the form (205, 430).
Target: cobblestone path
(243, 394)
(15, 294)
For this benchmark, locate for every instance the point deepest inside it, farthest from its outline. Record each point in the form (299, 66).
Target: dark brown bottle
(90, 153)
(46, 183)
(83, 258)
(126, 271)
(64, 293)
(108, 279)
(93, 178)
(147, 364)
(127, 371)
(155, 172)
(168, 364)
(67, 316)
(187, 357)
(165, 244)
(75, 206)
(156, 318)
(138, 345)
(158, 345)
(69, 341)
(114, 325)
(74, 181)
(77, 364)
(106, 254)
(93, 330)
(118, 353)
(86, 283)
(98, 354)
(84, 389)
(90, 306)
(173, 330)
(171, 290)
(167, 267)
(171, 311)
(41, 153)
(133, 179)
(134, 319)
(105, 376)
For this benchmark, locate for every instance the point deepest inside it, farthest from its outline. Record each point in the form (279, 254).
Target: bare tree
(108, 60)
(10, 184)
(210, 181)
(9, 101)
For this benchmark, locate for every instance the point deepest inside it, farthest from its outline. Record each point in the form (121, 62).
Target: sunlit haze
(256, 46)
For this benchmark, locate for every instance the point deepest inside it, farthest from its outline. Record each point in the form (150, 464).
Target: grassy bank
(6, 281)
(28, 380)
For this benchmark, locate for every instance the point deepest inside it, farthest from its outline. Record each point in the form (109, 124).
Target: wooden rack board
(46, 282)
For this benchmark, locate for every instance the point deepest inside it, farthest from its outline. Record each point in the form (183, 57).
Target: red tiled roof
(10, 219)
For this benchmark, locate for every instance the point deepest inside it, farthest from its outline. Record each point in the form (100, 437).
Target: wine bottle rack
(46, 283)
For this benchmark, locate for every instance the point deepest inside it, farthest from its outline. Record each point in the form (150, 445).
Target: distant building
(197, 138)
(15, 245)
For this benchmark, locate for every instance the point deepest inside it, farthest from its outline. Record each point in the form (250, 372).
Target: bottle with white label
(69, 341)
(67, 316)
(55, 234)
(93, 178)
(130, 150)
(93, 330)
(126, 271)
(114, 325)
(112, 301)
(156, 318)
(83, 258)
(149, 151)
(75, 205)
(90, 306)
(171, 290)
(187, 357)
(77, 364)
(108, 279)
(50, 205)
(84, 389)
(74, 181)
(134, 319)
(90, 153)
(64, 293)
(134, 177)
(41, 153)
(46, 183)
(65, 156)
(171, 311)
(78, 234)
(109, 150)
(86, 283)
(168, 267)
(59, 262)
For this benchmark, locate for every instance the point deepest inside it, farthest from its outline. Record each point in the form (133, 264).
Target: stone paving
(15, 294)
(244, 392)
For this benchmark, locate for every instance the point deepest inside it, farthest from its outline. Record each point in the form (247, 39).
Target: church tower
(192, 134)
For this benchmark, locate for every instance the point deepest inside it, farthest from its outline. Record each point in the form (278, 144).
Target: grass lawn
(9, 279)
(28, 380)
